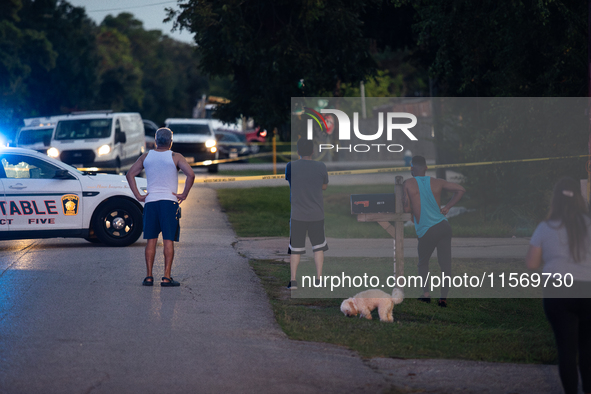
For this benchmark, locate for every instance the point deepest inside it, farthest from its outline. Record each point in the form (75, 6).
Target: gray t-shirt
(553, 240)
(306, 178)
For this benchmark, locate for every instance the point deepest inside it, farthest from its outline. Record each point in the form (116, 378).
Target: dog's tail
(397, 295)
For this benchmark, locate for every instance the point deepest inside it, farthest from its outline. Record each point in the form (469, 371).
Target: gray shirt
(553, 240)
(306, 178)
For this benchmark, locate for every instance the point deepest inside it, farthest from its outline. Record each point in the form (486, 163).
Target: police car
(41, 197)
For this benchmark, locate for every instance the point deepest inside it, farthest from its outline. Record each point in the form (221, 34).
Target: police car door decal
(33, 197)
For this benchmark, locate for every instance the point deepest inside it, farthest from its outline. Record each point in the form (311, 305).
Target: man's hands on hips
(141, 197)
(181, 196)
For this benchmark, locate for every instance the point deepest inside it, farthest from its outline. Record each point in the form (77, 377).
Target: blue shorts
(161, 217)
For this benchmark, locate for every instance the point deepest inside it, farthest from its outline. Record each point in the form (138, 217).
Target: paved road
(75, 319)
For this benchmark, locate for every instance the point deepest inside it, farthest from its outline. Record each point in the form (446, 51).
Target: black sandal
(147, 282)
(442, 302)
(171, 282)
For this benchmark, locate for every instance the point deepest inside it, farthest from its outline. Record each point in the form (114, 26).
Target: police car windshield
(83, 129)
(32, 136)
(199, 129)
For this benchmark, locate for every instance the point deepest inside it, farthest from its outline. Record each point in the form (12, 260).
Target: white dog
(363, 303)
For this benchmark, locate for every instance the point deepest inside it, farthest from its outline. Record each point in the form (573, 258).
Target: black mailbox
(372, 203)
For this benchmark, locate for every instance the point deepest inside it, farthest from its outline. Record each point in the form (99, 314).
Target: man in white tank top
(162, 200)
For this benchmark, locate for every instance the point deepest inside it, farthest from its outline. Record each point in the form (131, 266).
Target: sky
(150, 12)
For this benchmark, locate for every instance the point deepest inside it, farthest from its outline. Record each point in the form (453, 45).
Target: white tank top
(162, 176)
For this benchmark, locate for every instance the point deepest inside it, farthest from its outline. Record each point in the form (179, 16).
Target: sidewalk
(275, 248)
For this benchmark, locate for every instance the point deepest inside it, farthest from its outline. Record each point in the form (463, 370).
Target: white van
(109, 141)
(194, 139)
(37, 133)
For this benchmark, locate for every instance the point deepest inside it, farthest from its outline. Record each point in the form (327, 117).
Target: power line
(137, 6)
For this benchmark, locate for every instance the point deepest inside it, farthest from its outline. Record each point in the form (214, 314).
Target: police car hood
(113, 181)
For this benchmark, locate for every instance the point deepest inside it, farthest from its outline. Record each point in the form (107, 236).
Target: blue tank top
(430, 211)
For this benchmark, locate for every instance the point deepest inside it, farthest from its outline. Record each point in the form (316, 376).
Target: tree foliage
(54, 59)
(170, 83)
(267, 47)
(517, 128)
(21, 51)
(489, 48)
(119, 72)
(510, 49)
(72, 83)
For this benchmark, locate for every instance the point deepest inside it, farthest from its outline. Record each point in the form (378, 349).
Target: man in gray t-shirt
(307, 179)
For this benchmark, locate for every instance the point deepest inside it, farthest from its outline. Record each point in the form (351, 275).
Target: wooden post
(275, 151)
(396, 230)
(399, 225)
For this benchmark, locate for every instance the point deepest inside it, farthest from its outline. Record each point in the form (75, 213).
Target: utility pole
(589, 98)
(362, 90)
(436, 128)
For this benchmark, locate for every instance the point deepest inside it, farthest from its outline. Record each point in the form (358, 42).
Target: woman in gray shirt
(563, 244)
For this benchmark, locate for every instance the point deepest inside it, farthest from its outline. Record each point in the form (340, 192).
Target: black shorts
(297, 236)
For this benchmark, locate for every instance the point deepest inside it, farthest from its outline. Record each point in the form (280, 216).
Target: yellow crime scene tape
(335, 173)
(385, 170)
(278, 143)
(209, 162)
(196, 164)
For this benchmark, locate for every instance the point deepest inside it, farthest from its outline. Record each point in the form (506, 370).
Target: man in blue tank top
(161, 209)
(422, 195)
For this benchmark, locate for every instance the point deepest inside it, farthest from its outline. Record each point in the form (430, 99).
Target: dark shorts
(297, 236)
(161, 217)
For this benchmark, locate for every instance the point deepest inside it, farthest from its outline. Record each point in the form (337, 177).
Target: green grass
(496, 330)
(281, 156)
(257, 212)
(265, 212)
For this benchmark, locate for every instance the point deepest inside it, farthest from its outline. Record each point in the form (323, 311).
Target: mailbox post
(397, 230)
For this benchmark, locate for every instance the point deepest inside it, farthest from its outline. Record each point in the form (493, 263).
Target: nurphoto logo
(344, 126)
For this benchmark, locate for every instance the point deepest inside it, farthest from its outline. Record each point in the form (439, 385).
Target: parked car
(36, 133)
(256, 135)
(194, 139)
(103, 139)
(150, 129)
(232, 144)
(253, 137)
(45, 198)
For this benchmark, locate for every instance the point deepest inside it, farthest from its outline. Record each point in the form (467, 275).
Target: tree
(171, 83)
(20, 51)
(267, 47)
(510, 49)
(514, 48)
(120, 74)
(73, 82)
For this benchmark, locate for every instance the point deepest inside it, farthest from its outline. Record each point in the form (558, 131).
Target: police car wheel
(118, 223)
(212, 169)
